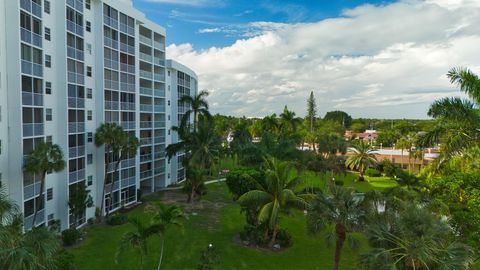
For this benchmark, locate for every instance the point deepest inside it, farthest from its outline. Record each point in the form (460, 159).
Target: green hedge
(242, 180)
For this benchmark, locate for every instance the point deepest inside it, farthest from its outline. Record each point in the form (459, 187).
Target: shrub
(372, 172)
(65, 260)
(387, 167)
(208, 259)
(242, 180)
(90, 221)
(284, 238)
(254, 234)
(139, 194)
(339, 183)
(118, 219)
(70, 236)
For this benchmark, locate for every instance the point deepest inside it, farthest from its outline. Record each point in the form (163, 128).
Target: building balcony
(159, 108)
(159, 124)
(76, 102)
(76, 151)
(76, 4)
(158, 61)
(111, 105)
(32, 68)
(145, 141)
(75, 28)
(128, 182)
(77, 78)
(74, 53)
(145, 174)
(110, 42)
(159, 45)
(127, 29)
(159, 92)
(27, 222)
(127, 48)
(128, 125)
(146, 57)
(146, 40)
(145, 158)
(146, 74)
(159, 155)
(159, 170)
(32, 7)
(127, 68)
(159, 140)
(110, 22)
(159, 77)
(127, 106)
(127, 163)
(31, 190)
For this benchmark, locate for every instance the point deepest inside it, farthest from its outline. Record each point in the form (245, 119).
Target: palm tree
(402, 144)
(35, 249)
(270, 124)
(413, 238)
(362, 157)
(194, 182)
(331, 144)
(277, 196)
(45, 158)
(118, 146)
(288, 121)
(458, 125)
(165, 216)
(198, 106)
(341, 210)
(137, 239)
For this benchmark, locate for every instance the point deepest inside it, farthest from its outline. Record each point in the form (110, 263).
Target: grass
(320, 180)
(216, 225)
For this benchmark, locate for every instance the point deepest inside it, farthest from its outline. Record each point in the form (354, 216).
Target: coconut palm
(118, 146)
(340, 211)
(164, 216)
(194, 182)
(198, 106)
(45, 158)
(34, 249)
(361, 158)
(270, 124)
(136, 239)
(458, 125)
(413, 238)
(277, 195)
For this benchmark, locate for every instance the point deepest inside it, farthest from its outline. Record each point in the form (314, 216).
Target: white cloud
(210, 30)
(374, 61)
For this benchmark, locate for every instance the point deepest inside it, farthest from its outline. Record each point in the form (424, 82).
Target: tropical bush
(372, 172)
(65, 260)
(387, 167)
(242, 180)
(70, 236)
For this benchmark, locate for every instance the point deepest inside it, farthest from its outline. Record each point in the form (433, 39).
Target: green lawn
(218, 222)
(313, 179)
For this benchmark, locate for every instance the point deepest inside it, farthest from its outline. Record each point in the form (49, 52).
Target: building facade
(66, 67)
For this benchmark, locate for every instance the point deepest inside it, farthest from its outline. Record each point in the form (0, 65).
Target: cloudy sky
(384, 59)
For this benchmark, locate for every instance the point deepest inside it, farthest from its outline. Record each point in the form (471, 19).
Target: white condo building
(66, 67)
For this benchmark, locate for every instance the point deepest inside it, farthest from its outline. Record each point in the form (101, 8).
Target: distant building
(370, 135)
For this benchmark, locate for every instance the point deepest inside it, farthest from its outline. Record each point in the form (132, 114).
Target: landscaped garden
(215, 220)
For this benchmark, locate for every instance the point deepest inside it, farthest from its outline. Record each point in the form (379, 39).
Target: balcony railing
(127, 106)
(76, 176)
(32, 7)
(159, 155)
(33, 129)
(76, 4)
(127, 29)
(127, 87)
(159, 45)
(159, 170)
(32, 68)
(76, 127)
(77, 78)
(158, 61)
(145, 40)
(146, 57)
(159, 124)
(110, 42)
(159, 108)
(146, 124)
(31, 190)
(146, 91)
(30, 37)
(74, 28)
(110, 22)
(76, 151)
(128, 163)
(127, 68)
(146, 74)
(128, 125)
(145, 157)
(74, 53)
(146, 108)
(111, 105)
(159, 92)
(145, 141)
(76, 102)
(27, 222)
(32, 99)
(159, 140)
(159, 77)
(145, 174)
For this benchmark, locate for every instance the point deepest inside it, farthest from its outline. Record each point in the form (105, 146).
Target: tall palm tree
(402, 144)
(137, 239)
(413, 238)
(340, 210)
(35, 249)
(195, 180)
(270, 124)
(45, 158)
(458, 125)
(278, 195)
(362, 157)
(164, 216)
(198, 106)
(118, 146)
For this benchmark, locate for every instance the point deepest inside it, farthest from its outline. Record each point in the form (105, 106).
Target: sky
(380, 59)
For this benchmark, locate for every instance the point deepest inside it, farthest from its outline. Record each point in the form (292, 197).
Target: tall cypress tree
(311, 111)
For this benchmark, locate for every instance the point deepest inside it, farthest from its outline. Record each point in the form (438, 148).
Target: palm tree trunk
(195, 122)
(161, 254)
(402, 160)
(107, 163)
(341, 235)
(192, 195)
(42, 186)
(274, 236)
(117, 164)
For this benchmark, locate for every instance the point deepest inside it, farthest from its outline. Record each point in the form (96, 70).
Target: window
(89, 93)
(49, 139)
(48, 114)
(168, 117)
(88, 26)
(90, 180)
(169, 73)
(89, 48)
(169, 103)
(89, 158)
(48, 61)
(89, 115)
(47, 33)
(48, 88)
(89, 71)
(89, 137)
(49, 194)
(87, 4)
(46, 7)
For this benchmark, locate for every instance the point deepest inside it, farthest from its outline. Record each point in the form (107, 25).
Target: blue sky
(225, 21)
(382, 59)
